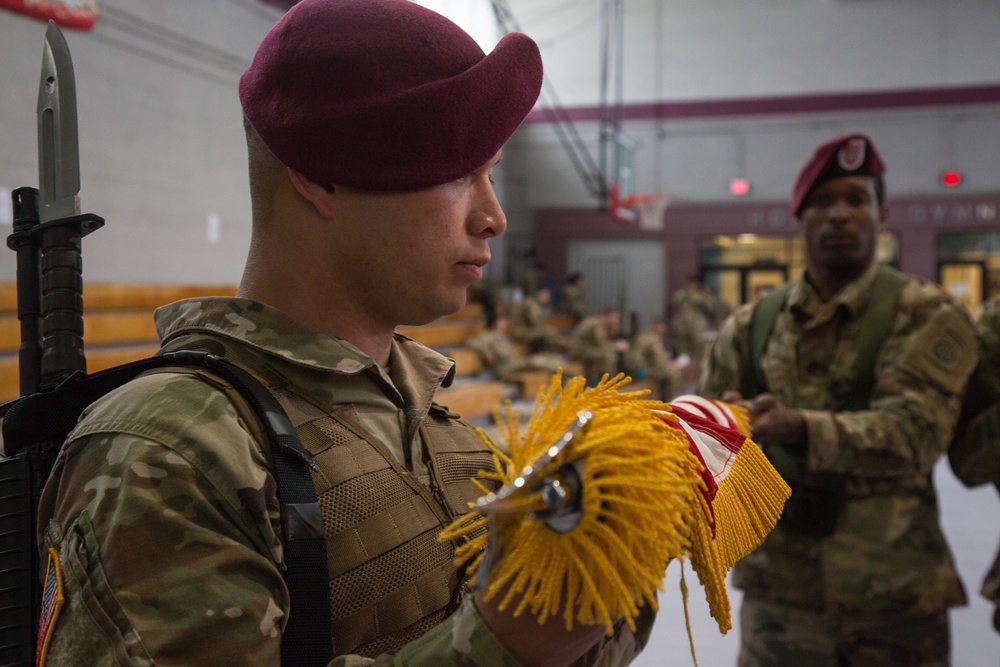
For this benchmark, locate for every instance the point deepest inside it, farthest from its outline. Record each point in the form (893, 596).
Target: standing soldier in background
(853, 377)
(975, 454)
(573, 298)
(373, 128)
(597, 344)
(648, 360)
(690, 322)
(533, 280)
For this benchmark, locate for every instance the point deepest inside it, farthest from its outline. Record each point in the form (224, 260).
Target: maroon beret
(849, 155)
(385, 94)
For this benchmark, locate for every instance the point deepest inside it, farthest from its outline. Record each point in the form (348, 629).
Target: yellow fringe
(747, 505)
(687, 616)
(642, 504)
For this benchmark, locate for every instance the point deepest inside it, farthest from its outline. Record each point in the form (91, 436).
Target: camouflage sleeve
(975, 453)
(722, 368)
(166, 546)
(920, 378)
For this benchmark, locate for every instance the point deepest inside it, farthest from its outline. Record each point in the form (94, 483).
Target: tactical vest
(390, 579)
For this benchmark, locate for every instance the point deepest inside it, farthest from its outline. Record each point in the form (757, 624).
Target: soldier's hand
(773, 422)
(534, 645)
(734, 397)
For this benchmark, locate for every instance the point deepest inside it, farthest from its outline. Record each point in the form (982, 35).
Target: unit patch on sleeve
(52, 602)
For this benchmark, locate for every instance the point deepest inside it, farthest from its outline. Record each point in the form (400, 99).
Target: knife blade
(58, 141)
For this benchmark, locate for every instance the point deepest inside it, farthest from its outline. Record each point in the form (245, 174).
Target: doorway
(966, 281)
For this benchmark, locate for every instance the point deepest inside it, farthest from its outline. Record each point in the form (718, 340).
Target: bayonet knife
(58, 143)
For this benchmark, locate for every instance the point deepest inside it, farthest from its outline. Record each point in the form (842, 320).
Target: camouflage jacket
(977, 459)
(498, 354)
(573, 300)
(592, 347)
(495, 350)
(648, 353)
(691, 309)
(163, 508)
(887, 552)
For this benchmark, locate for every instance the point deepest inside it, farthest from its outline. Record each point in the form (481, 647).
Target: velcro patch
(52, 602)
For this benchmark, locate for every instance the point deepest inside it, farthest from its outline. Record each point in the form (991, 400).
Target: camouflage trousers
(776, 635)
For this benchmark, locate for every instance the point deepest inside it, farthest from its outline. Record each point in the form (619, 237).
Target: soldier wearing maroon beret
(853, 376)
(373, 130)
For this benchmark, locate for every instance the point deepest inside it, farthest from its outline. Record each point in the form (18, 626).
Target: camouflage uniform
(528, 327)
(690, 321)
(975, 457)
(886, 558)
(592, 345)
(163, 508)
(498, 355)
(648, 356)
(573, 300)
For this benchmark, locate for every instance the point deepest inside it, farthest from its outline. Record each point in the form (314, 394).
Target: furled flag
(602, 488)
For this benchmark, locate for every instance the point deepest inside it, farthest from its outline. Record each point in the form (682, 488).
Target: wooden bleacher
(117, 324)
(118, 328)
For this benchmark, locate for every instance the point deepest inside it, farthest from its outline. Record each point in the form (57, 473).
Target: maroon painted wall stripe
(763, 106)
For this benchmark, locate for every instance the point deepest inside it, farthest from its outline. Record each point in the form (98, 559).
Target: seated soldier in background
(596, 343)
(529, 327)
(500, 357)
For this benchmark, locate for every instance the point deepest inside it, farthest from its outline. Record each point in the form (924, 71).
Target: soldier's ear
(320, 196)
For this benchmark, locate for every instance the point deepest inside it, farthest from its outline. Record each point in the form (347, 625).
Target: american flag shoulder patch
(52, 602)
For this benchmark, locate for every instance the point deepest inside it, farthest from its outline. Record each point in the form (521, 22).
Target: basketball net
(650, 210)
(645, 209)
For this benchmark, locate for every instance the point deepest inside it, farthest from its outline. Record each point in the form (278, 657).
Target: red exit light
(951, 178)
(739, 187)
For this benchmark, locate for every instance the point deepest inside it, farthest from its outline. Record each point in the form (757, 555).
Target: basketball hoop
(649, 210)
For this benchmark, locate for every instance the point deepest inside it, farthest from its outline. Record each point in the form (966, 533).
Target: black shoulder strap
(307, 636)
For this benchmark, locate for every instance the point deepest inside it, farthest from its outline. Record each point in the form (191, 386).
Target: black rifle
(55, 389)
(46, 237)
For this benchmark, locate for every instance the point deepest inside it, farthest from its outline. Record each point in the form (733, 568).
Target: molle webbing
(390, 579)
